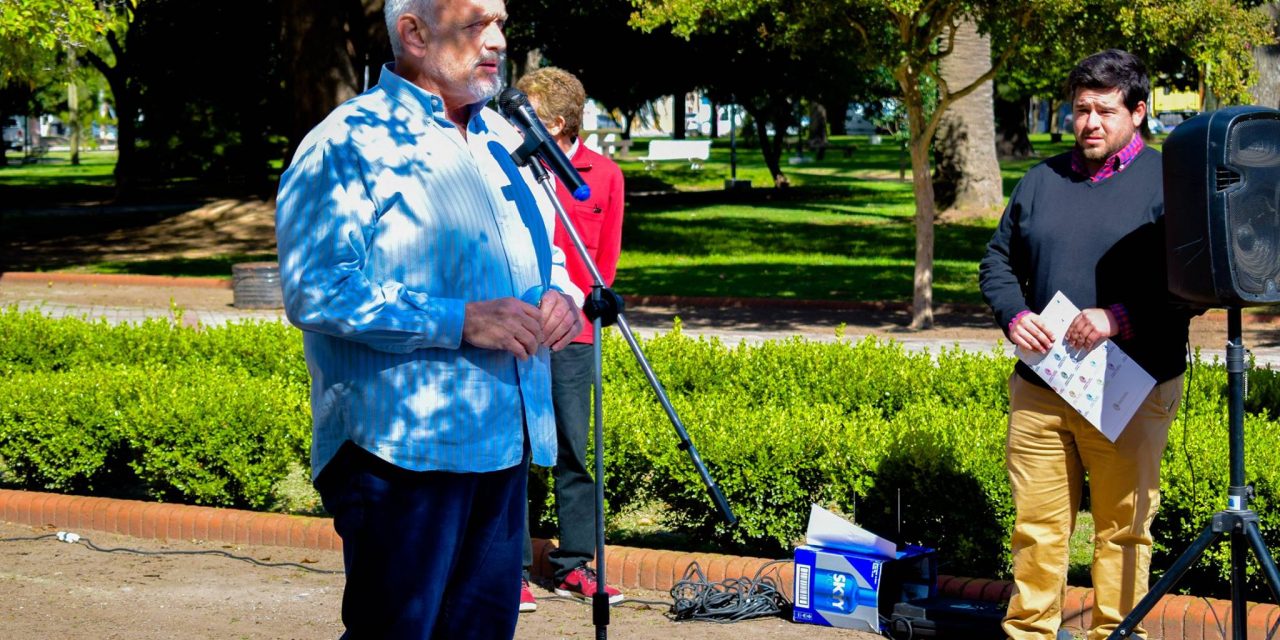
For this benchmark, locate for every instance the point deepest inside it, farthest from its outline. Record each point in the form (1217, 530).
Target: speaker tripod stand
(1236, 521)
(604, 307)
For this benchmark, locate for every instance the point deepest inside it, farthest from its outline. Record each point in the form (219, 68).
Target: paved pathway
(95, 297)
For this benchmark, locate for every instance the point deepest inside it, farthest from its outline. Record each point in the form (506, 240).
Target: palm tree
(966, 172)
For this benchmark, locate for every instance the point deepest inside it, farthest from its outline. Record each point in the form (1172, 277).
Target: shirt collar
(421, 101)
(1118, 161)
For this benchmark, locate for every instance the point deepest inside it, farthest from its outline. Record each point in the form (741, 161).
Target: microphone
(514, 104)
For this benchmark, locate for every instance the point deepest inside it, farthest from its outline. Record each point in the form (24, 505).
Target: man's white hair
(393, 9)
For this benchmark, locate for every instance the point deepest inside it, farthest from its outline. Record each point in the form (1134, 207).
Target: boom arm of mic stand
(717, 496)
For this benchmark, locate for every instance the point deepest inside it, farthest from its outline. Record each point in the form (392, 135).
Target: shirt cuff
(1124, 328)
(1014, 321)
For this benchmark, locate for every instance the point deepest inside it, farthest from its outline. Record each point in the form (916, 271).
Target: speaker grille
(1226, 178)
(1254, 207)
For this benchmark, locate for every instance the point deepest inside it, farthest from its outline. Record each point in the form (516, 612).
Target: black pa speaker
(1222, 207)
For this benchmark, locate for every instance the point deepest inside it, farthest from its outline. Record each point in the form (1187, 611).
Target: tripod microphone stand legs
(604, 307)
(1237, 521)
(599, 599)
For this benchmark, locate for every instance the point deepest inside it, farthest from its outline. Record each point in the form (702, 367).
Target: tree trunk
(818, 129)
(630, 117)
(1014, 139)
(838, 109)
(968, 173)
(1267, 92)
(4, 146)
(320, 70)
(1055, 121)
(715, 120)
(922, 186)
(123, 91)
(771, 149)
(678, 106)
(73, 106)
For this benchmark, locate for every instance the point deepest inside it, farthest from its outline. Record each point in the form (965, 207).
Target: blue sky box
(847, 577)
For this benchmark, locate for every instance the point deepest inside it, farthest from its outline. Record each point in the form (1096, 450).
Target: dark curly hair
(1111, 69)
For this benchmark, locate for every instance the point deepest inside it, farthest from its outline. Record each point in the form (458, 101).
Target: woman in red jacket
(558, 97)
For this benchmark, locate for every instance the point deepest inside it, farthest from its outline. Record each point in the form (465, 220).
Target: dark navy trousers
(428, 555)
(572, 378)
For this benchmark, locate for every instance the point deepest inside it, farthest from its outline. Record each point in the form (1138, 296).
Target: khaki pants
(1049, 450)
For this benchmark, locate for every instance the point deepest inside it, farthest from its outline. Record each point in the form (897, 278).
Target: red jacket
(598, 222)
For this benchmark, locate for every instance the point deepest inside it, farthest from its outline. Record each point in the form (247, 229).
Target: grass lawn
(215, 267)
(843, 231)
(52, 180)
(55, 170)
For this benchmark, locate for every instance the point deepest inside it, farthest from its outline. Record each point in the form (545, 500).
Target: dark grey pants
(572, 374)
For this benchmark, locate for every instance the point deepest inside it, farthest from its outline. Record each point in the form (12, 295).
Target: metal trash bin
(256, 285)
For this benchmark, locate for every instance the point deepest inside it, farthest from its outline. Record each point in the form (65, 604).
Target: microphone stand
(604, 308)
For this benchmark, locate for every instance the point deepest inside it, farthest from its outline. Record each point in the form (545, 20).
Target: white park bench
(606, 141)
(695, 152)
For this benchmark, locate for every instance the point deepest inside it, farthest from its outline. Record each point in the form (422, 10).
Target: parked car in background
(12, 135)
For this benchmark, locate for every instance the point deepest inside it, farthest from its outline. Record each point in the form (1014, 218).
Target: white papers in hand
(829, 530)
(1104, 384)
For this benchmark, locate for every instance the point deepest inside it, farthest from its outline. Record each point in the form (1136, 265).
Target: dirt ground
(51, 589)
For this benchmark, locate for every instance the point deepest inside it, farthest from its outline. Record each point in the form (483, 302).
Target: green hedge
(183, 434)
(859, 427)
(30, 342)
(910, 444)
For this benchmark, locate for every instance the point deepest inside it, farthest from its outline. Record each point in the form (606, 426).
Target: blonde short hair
(557, 93)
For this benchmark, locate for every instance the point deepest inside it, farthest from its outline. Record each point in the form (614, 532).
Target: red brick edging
(1173, 618)
(115, 279)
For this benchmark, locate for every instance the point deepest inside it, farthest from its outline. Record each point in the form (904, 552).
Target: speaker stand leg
(1252, 533)
(1237, 521)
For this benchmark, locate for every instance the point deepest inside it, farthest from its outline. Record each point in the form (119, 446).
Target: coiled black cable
(730, 600)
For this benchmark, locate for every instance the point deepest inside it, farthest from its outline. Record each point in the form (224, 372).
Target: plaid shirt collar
(1113, 165)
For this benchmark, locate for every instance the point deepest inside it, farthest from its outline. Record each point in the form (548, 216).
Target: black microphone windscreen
(510, 99)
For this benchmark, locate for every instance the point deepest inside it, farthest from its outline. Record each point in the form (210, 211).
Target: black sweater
(1100, 243)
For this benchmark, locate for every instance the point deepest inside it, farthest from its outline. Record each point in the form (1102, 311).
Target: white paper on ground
(829, 530)
(1104, 384)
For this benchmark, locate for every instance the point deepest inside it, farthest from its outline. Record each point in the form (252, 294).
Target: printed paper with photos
(1104, 384)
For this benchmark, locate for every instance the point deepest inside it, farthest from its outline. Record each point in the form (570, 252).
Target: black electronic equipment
(946, 618)
(1222, 216)
(1222, 207)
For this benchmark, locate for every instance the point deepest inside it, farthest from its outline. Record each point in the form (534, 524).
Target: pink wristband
(1016, 318)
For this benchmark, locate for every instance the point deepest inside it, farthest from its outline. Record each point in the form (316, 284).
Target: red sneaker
(581, 583)
(527, 601)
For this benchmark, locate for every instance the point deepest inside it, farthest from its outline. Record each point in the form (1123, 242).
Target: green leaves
(32, 30)
(152, 410)
(910, 445)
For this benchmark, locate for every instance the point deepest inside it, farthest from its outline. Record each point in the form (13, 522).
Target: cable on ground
(75, 538)
(730, 600)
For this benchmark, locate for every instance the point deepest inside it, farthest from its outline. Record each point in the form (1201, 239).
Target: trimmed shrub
(911, 445)
(1195, 474)
(195, 434)
(30, 341)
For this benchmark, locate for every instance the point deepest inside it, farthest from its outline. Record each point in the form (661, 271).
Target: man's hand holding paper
(1089, 328)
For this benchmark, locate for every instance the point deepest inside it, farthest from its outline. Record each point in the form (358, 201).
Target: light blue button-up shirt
(389, 221)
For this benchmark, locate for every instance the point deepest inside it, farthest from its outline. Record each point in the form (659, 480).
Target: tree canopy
(910, 37)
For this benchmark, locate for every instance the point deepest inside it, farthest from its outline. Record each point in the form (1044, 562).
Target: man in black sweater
(1088, 223)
